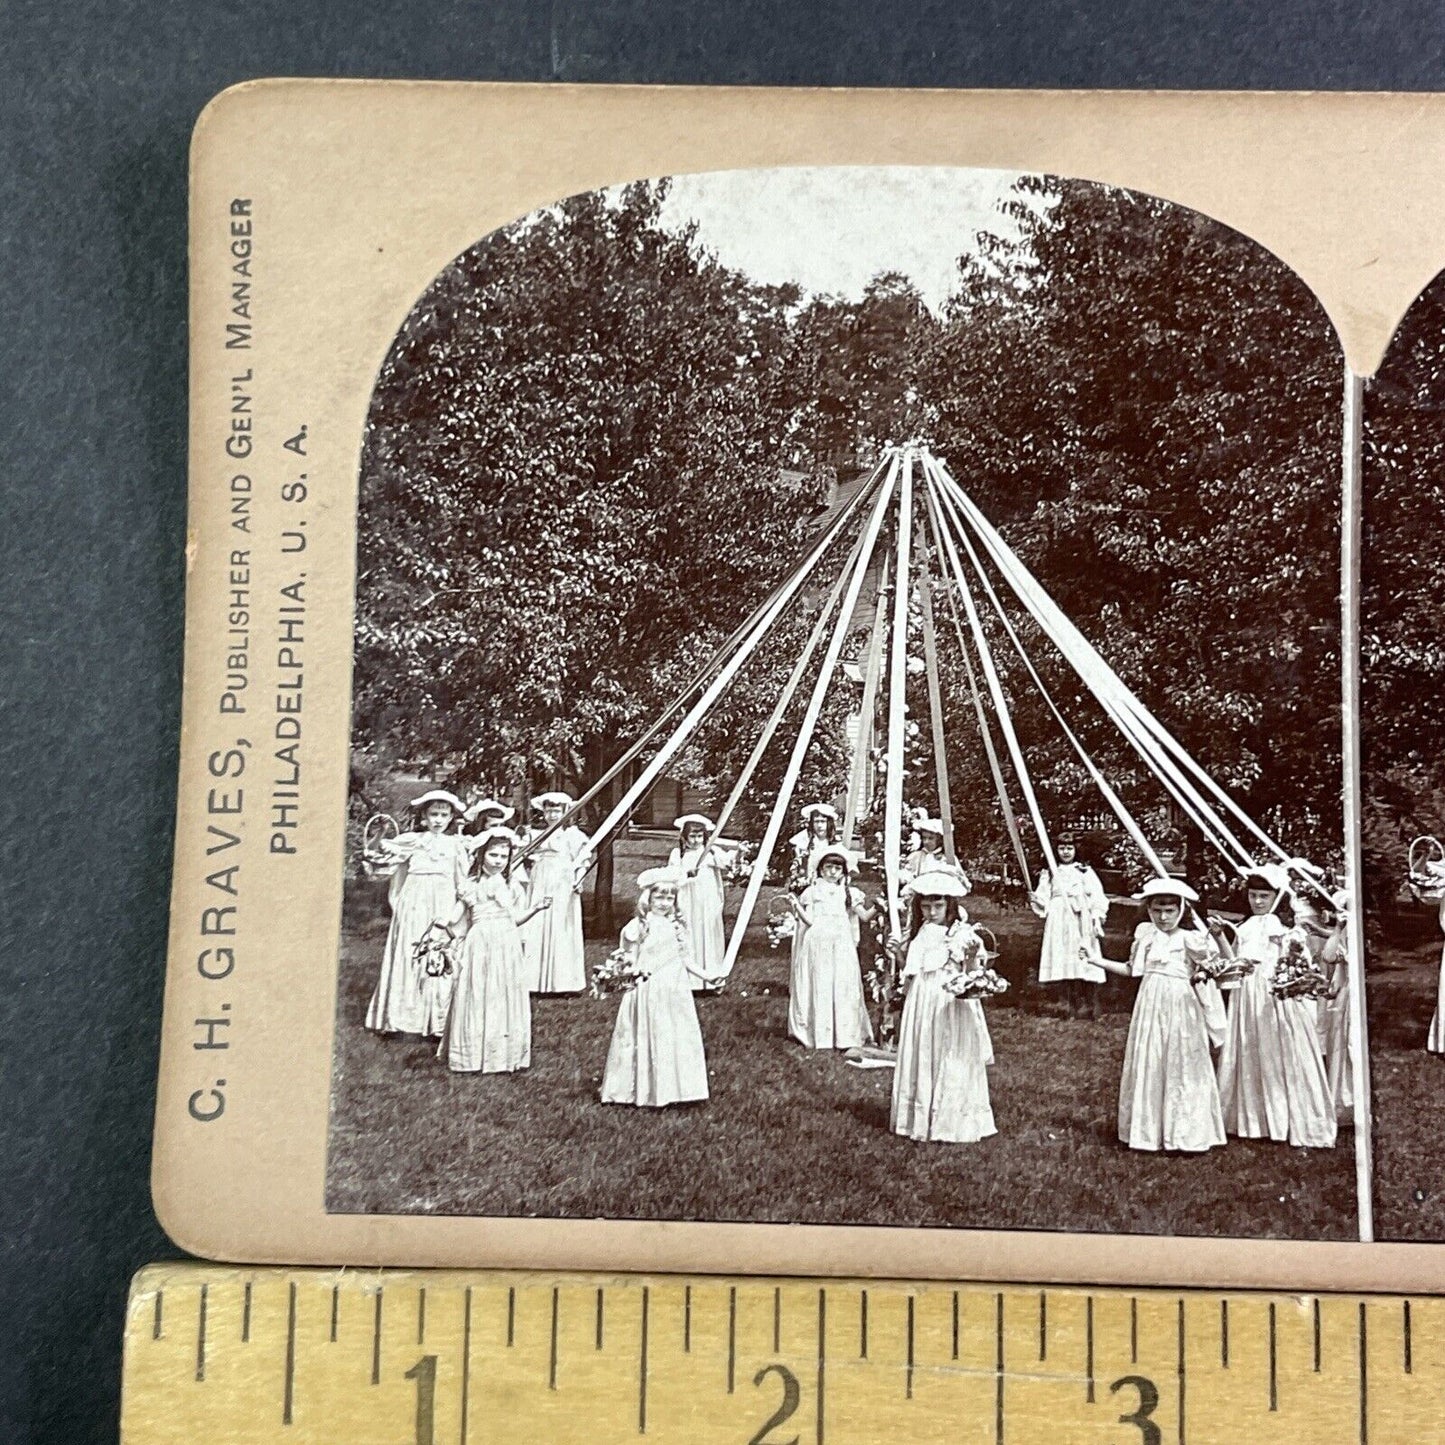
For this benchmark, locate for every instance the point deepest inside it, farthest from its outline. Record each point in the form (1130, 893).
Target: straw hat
(543, 800)
(439, 795)
(651, 877)
(490, 805)
(1270, 874)
(840, 854)
(937, 883)
(682, 823)
(1167, 888)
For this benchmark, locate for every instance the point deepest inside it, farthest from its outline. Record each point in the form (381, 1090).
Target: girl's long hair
(832, 828)
(476, 871)
(644, 907)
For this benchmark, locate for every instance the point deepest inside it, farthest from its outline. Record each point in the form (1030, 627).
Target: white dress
(423, 891)
(700, 901)
(1336, 960)
(1435, 1040)
(552, 941)
(656, 1056)
(1168, 1098)
(940, 1085)
(1272, 1078)
(825, 1003)
(489, 1025)
(1072, 903)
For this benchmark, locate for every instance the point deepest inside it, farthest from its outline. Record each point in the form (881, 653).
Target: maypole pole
(897, 700)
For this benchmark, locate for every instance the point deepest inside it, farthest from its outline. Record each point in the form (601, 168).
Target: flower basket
(435, 952)
(1427, 868)
(617, 973)
(1295, 975)
(782, 922)
(375, 862)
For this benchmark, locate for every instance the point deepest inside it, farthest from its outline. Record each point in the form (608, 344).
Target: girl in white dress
(699, 862)
(825, 1005)
(556, 960)
(1072, 903)
(940, 1084)
(1272, 1079)
(1168, 1098)
(819, 831)
(1335, 959)
(656, 1057)
(489, 1025)
(423, 891)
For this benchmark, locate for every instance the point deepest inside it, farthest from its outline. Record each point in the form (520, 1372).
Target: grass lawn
(1408, 1086)
(788, 1135)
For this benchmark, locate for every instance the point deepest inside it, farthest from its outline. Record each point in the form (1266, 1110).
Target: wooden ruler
(249, 1357)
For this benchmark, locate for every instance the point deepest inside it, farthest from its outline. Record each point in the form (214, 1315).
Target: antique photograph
(1403, 759)
(846, 721)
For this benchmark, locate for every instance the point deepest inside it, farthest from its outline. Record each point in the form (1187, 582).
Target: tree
(1147, 404)
(571, 484)
(1403, 596)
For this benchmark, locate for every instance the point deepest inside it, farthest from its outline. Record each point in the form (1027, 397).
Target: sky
(833, 228)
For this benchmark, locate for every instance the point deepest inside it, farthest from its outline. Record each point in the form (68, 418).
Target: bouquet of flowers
(1295, 975)
(971, 972)
(435, 952)
(782, 922)
(617, 973)
(740, 866)
(1221, 970)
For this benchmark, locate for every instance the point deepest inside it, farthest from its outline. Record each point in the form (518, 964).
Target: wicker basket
(374, 862)
(1427, 868)
(989, 939)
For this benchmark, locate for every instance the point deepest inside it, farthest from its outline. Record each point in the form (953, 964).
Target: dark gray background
(96, 106)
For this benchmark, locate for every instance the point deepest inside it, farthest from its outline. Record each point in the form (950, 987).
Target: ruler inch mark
(732, 1337)
(552, 1350)
(246, 1315)
(955, 1324)
(201, 1337)
(1318, 1337)
(1043, 1325)
(1089, 1346)
(1133, 1331)
(822, 1358)
(1273, 1361)
(908, 1374)
(998, 1370)
(376, 1339)
(288, 1397)
(466, 1357)
(642, 1370)
(1364, 1378)
(1181, 1372)
(156, 1323)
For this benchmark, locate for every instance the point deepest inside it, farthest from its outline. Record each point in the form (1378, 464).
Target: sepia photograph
(1403, 765)
(846, 722)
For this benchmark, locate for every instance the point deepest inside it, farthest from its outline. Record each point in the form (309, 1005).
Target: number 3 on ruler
(1148, 1403)
(791, 1395)
(424, 1372)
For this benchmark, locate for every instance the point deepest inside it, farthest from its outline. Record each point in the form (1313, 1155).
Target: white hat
(845, 856)
(490, 805)
(681, 823)
(826, 809)
(1303, 865)
(439, 795)
(1271, 873)
(925, 824)
(651, 877)
(937, 883)
(496, 831)
(1167, 888)
(543, 799)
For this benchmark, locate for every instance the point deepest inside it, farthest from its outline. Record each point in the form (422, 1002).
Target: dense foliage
(592, 448)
